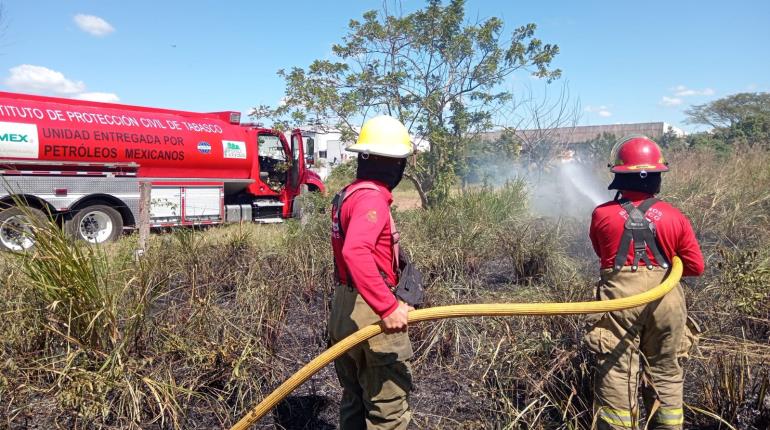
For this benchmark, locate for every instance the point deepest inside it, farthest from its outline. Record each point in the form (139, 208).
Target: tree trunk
(420, 191)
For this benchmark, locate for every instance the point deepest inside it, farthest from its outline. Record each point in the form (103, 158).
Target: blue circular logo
(204, 147)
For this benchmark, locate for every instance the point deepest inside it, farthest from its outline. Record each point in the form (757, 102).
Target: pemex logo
(18, 140)
(12, 137)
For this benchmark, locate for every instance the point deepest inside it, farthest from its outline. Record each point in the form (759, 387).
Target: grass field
(211, 320)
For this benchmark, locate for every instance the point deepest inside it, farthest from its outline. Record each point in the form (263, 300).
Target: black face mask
(384, 169)
(634, 182)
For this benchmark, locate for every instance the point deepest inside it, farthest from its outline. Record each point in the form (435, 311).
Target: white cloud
(98, 97)
(679, 88)
(590, 108)
(42, 80)
(93, 25)
(683, 91)
(670, 101)
(39, 79)
(602, 110)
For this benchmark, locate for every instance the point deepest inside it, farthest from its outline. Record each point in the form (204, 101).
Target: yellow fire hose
(458, 311)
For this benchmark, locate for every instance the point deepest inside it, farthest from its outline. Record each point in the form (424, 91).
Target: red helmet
(637, 154)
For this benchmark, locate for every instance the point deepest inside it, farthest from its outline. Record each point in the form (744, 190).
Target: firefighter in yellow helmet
(376, 375)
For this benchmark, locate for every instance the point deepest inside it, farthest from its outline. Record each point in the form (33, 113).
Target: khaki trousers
(376, 377)
(654, 336)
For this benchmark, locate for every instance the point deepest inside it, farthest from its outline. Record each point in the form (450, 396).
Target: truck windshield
(271, 147)
(272, 161)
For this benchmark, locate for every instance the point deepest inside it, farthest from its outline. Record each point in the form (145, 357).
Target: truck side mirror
(310, 154)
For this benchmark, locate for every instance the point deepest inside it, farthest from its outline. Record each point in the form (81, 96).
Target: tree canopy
(731, 110)
(433, 69)
(742, 118)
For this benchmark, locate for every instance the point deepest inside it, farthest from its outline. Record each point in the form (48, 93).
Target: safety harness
(642, 232)
(340, 198)
(410, 281)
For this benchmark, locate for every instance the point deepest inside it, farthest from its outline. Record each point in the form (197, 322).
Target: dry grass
(211, 320)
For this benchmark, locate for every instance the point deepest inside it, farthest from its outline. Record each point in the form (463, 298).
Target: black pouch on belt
(410, 287)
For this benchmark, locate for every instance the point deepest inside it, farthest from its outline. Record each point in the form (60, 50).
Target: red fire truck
(82, 162)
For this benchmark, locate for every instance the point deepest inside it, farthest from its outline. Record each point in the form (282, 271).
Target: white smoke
(563, 189)
(575, 176)
(568, 190)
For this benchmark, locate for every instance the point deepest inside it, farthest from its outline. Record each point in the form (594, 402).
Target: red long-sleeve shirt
(674, 233)
(366, 253)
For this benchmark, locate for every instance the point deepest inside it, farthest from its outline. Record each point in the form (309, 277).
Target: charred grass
(209, 321)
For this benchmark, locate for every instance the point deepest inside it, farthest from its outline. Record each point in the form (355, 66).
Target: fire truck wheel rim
(15, 233)
(96, 227)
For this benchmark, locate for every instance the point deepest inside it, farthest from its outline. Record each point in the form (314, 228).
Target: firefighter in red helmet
(635, 237)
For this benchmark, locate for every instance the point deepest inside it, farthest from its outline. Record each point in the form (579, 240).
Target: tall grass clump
(725, 195)
(451, 241)
(77, 287)
(182, 338)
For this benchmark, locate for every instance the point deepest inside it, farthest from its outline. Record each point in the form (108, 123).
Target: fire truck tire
(95, 224)
(16, 227)
(302, 207)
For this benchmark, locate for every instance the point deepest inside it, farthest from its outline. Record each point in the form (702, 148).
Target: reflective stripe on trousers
(617, 417)
(670, 416)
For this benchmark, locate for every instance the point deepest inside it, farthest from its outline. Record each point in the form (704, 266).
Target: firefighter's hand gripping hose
(457, 311)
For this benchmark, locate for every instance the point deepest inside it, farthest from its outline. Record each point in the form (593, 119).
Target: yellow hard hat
(383, 135)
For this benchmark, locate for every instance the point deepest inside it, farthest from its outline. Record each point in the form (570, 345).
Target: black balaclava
(649, 183)
(384, 169)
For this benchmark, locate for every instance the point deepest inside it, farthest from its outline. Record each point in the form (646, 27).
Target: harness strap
(650, 235)
(340, 198)
(642, 232)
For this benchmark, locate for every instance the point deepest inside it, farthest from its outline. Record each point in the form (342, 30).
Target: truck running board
(268, 203)
(268, 220)
(267, 211)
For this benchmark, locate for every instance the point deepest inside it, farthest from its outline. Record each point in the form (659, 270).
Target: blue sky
(624, 61)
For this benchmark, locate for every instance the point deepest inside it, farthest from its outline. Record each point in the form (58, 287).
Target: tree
(432, 69)
(599, 148)
(731, 110)
(739, 119)
(752, 131)
(542, 124)
(490, 158)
